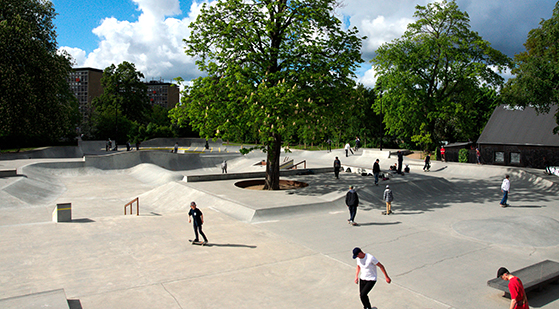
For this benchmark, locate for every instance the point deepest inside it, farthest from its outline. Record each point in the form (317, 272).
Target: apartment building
(163, 94)
(85, 83)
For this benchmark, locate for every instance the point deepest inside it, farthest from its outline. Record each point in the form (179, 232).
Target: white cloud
(154, 43)
(368, 79)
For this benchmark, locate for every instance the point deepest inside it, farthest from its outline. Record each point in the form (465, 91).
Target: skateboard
(199, 243)
(384, 212)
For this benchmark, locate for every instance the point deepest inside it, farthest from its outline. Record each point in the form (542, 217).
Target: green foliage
(124, 90)
(536, 81)
(277, 72)
(463, 155)
(36, 104)
(436, 81)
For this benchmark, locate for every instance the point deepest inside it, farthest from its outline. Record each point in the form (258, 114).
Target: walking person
(388, 197)
(366, 274)
(376, 171)
(337, 167)
(352, 201)
(518, 299)
(443, 154)
(224, 167)
(505, 188)
(329, 145)
(197, 221)
(427, 165)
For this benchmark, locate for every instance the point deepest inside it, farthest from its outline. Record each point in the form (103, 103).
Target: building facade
(163, 94)
(85, 83)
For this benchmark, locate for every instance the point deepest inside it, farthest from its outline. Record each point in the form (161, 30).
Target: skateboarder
(366, 274)
(352, 201)
(388, 197)
(197, 220)
(518, 298)
(337, 166)
(505, 188)
(224, 167)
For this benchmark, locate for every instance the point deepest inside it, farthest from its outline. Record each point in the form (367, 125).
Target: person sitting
(394, 167)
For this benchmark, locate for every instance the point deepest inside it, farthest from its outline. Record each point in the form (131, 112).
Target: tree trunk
(272, 164)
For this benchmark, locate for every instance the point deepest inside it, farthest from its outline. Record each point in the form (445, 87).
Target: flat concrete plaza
(283, 249)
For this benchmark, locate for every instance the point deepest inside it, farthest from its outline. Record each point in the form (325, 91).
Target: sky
(150, 33)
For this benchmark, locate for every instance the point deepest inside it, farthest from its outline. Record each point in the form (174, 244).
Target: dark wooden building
(520, 137)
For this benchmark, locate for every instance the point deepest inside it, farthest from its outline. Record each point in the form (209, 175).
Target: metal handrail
(304, 166)
(137, 201)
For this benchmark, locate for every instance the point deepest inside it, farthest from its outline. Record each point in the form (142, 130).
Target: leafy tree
(536, 81)
(36, 104)
(430, 80)
(276, 71)
(124, 96)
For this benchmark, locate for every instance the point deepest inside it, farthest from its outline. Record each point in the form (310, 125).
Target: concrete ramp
(48, 299)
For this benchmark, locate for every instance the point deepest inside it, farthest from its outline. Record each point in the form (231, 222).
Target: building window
(515, 157)
(499, 157)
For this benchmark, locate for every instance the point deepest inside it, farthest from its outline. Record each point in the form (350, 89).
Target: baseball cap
(356, 251)
(501, 272)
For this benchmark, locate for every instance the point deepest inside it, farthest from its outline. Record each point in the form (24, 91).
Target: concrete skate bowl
(45, 152)
(258, 184)
(528, 231)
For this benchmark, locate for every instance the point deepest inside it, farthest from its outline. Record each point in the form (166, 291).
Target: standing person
(443, 156)
(388, 197)
(478, 156)
(176, 147)
(366, 274)
(376, 171)
(427, 165)
(400, 161)
(352, 201)
(518, 298)
(197, 221)
(138, 145)
(505, 188)
(224, 167)
(337, 167)
(329, 145)
(347, 149)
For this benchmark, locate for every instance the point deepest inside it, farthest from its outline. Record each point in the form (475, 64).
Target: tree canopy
(36, 103)
(536, 81)
(124, 100)
(276, 71)
(436, 80)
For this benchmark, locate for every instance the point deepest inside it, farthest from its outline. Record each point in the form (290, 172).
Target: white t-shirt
(368, 267)
(505, 186)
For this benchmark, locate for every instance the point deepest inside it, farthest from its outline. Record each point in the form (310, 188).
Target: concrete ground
(288, 249)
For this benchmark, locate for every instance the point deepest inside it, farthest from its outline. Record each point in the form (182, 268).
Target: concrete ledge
(8, 173)
(48, 299)
(62, 213)
(215, 177)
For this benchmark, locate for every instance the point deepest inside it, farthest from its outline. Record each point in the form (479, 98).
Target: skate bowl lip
(255, 184)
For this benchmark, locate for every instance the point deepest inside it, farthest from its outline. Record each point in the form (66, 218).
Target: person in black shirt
(337, 166)
(197, 220)
(352, 201)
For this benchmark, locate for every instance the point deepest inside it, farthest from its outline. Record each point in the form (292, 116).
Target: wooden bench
(532, 277)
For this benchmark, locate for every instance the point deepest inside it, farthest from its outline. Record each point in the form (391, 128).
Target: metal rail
(137, 201)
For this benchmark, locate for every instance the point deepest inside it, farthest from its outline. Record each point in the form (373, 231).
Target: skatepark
(281, 249)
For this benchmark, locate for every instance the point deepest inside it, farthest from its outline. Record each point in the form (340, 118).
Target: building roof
(87, 69)
(520, 126)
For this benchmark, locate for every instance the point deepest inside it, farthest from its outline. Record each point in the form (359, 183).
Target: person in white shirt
(505, 188)
(366, 274)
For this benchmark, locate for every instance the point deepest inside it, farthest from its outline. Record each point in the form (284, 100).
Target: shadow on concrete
(526, 206)
(74, 304)
(83, 220)
(543, 296)
(230, 245)
(378, 223)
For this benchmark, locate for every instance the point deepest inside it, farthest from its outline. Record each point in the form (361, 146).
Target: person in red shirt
(518, 298)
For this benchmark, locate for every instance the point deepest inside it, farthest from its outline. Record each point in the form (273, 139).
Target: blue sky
(149, 33)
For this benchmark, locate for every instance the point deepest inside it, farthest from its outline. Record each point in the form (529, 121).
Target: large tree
(276, 71)
(36, 104)
(536, 81)
(435, 79)
(124, 100)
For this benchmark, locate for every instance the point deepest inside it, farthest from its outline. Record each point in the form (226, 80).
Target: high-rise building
(163, 94)
(85, 83)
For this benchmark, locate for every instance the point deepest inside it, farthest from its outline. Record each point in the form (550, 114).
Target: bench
(532, 277)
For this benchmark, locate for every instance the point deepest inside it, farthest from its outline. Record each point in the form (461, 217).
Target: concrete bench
(532, 277)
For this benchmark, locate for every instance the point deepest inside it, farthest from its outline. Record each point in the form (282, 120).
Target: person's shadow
(229, 245)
